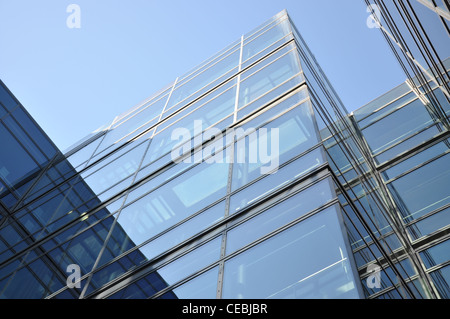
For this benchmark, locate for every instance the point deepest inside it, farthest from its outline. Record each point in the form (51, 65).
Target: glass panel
(436, 255)
(385, 110)
(270, 112)
(115, 171)
(267, 78)
(84, 154)
(209, 110)
(397, 126)
(408, 144)
(381, 101)
(218, 71)
(296, 133)
(417, 159)
(441, 279)
(423, 190)
(184, 231)
(271, 182)
(6, 99)
(143, 115)
(15, 164)
(430, 224)
(38, 136)
(279, 215)
(308, 260)
(201, 287)
(174, 201)
(272, 95)
(269, 36)
(25, 140)
(188, 264)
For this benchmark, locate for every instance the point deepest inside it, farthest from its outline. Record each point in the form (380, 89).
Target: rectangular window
(307, 260)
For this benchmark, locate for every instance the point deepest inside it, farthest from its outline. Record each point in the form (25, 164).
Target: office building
(244, 178)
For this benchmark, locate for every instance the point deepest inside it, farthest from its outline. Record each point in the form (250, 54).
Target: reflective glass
(417, 159)
(423, 190)
(210, 110)
(270, 96)
(6, 99)
(279, 215)
(385, 110)
(265, 39)
(408, 144)
(430, 224)
(436, 255)
(267, 78)
(397, 126)
(174, 201)
(269, 113)
(296, 134)
(219, 71)
(36, 134)
(308, 260)
(271, 182)
(84, 154)
(184, 231)
(201, 287)
(25, 140)
(441, 280)
(193, 261)
(15, 163)
(115, 171)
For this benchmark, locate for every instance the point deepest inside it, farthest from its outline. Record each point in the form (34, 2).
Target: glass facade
(244, 178)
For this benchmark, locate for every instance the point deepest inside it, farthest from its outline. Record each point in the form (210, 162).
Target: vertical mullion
(236, 102)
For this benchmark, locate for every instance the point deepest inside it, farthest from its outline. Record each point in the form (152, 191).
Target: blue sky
(73, 81)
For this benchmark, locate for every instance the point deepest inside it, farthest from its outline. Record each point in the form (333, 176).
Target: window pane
(269, 36)
(441, 279)
(423, 190)
(115, 171)
(436, 255)
(296, 134)
(174, 201)
(220, 70)
(430, 224)
(271, 182)
(201, 287)
(15, 164)
(279, 215)
(417, 159)
(270, 76)
(308, 260)
(184, 231)
(397, 126)
(190, 263)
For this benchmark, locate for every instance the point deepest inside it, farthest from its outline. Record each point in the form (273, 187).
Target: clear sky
(73, 81)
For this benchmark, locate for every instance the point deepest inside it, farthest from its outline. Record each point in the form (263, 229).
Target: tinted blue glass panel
(174, 201)
(397, 126)
(441, 279)
(201, 287)
(279, 215)
(436, 255)
(267, 78)
(308, 260)
(271, 182)
(296, 134)
(15, 164)
(184, 231)
(430, 224)
(424, 189)
(191, 262)
(6, 99)
(417, 159)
